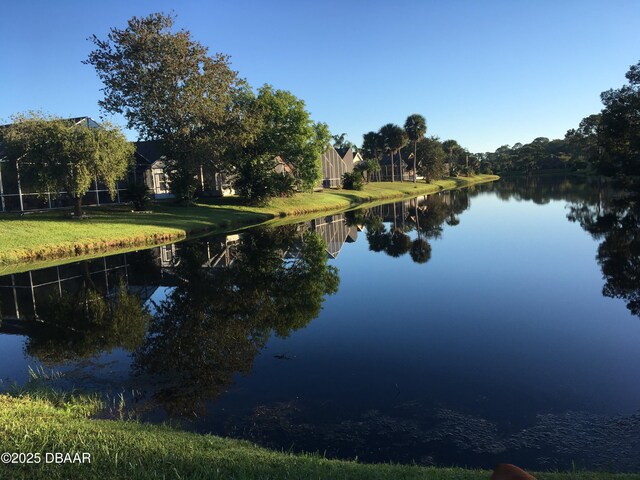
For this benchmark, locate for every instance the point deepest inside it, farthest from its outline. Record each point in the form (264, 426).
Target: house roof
(386, 160)
(88, 120)
(342, 151)
(149, 151)
(158, 165)
(282, 166)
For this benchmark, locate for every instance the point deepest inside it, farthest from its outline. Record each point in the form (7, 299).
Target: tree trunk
(77, 210)
(393, 176)
(415, 172)
(400, 166)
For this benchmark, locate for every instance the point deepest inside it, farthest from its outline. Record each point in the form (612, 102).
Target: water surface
(494, 324)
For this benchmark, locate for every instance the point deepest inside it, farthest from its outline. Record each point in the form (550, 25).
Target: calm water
(498, 324)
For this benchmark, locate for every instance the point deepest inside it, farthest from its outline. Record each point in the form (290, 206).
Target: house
(151, 166)
(385, 168)
(18, 196)
(335, 163)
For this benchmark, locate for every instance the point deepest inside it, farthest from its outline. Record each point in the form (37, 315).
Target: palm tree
(394, 139)
(372, 145)
(416, 128)
(450, 146)
(340, 141)
(401, 142)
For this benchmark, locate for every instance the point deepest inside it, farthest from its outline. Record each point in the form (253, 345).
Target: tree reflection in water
(216, 320)
(86, 322)
(616, 222)
(211, 325)
(425, 216)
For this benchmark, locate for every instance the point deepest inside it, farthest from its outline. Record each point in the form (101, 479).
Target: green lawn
(54, 235)
(127, 449)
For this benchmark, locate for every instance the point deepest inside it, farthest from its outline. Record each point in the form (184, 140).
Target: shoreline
(130, 449)
(52, 238)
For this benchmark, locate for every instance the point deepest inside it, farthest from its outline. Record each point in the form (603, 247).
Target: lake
(499, 323)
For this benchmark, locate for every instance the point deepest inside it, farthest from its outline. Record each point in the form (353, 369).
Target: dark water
(497, 324)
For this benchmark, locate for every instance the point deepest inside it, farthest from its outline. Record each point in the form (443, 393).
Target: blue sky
(485, 73)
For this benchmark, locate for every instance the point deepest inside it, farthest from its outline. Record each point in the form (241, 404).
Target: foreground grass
(125, 449)
(54, 235)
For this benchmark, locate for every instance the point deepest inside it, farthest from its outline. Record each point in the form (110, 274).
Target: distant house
(18, 196)
(151, 166)
(400, 167)
(335, 163)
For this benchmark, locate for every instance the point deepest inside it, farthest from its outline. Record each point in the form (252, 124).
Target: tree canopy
(58, 155)
(393, 139)
(415, 127)
(619, 128)
(170, 89)
(429, 156)
(284, 133)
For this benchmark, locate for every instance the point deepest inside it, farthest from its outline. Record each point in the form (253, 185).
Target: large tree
(416, 127)
(58, 155)
(394, 138)
(430, 158)
(372, 149)
(619, 128)
(283, 130)
(169, 88)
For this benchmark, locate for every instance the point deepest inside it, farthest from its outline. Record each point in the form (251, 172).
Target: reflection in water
(543, 189)
(226, 297)
(86, 324)
(215, 321)
(424, 215)
(74, 312)
(196, 316)
(616, 223)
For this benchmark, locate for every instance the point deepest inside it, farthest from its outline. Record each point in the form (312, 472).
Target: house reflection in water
(21, 293)
(142, 272)
(146, 271)
(335, 232)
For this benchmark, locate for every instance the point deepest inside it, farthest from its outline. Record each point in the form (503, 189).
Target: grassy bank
(54, 235)
(126, 449)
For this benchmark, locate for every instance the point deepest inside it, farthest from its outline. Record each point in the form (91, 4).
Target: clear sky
(486, 73)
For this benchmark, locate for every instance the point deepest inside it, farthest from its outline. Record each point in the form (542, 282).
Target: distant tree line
(606, 143)
(426, 156)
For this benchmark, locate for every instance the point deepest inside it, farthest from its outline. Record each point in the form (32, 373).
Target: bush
(140, 195)
(352, 181)
(282, 185)
(257, 182)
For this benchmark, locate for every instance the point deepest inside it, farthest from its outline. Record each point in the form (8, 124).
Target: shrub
(140, 195)
(282, 185)
(352, 181)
